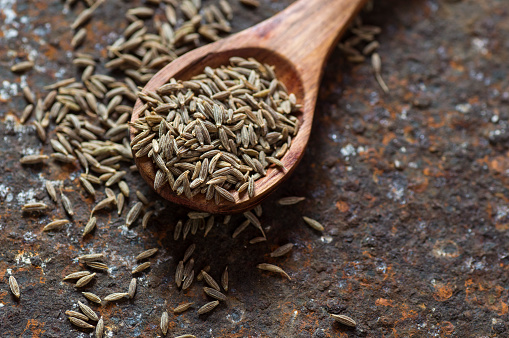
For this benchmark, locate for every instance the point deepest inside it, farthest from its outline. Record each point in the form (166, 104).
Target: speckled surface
(412, 188)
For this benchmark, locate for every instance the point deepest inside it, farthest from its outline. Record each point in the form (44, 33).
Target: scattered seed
(189, 252)
(30, 207)
(210, 281)
(188, 280)
(345, 320)
(208, 307)
(67, 204)
(179, 273)
(88, 311)
(273, 268)
(90, 226)
(146, 219)
(133, 214)
(92, 297)
(224, 279)
(165, 321)
(132, 288)
(33, 159)
(77, 275)
(141, 267)
(314, 224)
(85, 280)
(290, 200)
(75, 314)
(257, 240)
(241, 228)
(13, 284)
(115, 296)
(80, 323)
(182, 307)
(99, 329)
(55, 224)
(282, 250)
(146, 254)
(21, 67)
(97, 265)
(90, 257)
(214, 293)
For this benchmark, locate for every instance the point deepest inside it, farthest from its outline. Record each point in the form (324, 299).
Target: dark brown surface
(418, 250)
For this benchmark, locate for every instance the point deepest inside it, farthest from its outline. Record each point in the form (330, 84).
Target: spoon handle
(307, 31)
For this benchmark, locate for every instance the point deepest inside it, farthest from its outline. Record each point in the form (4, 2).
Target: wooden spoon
(297, 41)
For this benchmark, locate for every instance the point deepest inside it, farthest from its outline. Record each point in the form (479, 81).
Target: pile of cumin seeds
(218, 131)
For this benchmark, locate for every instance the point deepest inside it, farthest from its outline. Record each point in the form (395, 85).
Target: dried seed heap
(217, 132)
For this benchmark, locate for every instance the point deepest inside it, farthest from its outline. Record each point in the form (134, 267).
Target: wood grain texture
(297, 41)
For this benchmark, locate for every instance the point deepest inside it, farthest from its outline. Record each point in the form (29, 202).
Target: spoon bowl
(296, 42)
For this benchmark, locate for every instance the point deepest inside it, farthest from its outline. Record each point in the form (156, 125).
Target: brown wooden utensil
(297, 41)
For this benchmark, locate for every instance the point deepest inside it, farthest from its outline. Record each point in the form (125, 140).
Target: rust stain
(35, 327)
(443, 291)
(342, 206)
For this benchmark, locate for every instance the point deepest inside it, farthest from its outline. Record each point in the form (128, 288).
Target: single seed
(314, 224)
(30, 207)
(55, 224)
(120, 203)
(133, 214)
(208, 307)
(92, 297)
(75, 314)
(257, 240)
(142, 197)
(146, 254)
(189, 252)
(85, 280)
(186, 336)
(132, 288)
(77, 275)
(210, 281)
(91, 257)
(179, 273)
(22, 66)
(165, 321)
(188, 280)
(282, 250)
(146, 219)
(178, 229)
(97, 265)
(99, 329)
(273, 268)
(141, 267)
(344, 320)
(224, 279)
(115, 296)
(214, 293)
(90, 226)
(182, 307)
(80, 323)
(13, 284)
(88, 311)
(290, 200)
(67, 204)
(33, 159)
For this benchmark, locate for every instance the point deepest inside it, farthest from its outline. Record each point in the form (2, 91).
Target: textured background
(412, 188)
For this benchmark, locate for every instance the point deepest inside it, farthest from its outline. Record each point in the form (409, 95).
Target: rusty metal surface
(412, 188)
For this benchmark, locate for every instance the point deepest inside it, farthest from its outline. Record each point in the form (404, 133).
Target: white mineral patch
(348, 150)
(8, 90)
(24, 197)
